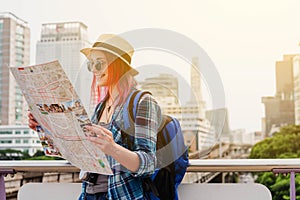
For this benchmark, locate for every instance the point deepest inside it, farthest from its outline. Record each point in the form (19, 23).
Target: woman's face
(98, 65)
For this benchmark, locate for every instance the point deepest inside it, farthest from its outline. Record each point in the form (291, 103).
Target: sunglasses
(99, 65)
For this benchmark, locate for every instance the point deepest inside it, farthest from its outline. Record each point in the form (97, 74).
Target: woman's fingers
(32, 123)
(95, 140)
(103, 139)
(98, 130)
(104, 143)
(102, 129)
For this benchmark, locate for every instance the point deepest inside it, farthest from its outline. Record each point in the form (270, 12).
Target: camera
(88, 177)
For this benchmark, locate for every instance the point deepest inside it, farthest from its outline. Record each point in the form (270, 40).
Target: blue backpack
(171, 152)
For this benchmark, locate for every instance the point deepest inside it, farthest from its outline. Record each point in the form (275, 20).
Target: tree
(40, 155)
(12, 154)
(283, 144)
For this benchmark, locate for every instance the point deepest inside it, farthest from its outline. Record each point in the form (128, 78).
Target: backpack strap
(130, 108)
(129, 115)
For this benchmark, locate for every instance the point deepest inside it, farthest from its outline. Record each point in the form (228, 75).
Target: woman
(113, 83)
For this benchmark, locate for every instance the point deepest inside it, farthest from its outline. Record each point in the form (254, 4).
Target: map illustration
(57, 108)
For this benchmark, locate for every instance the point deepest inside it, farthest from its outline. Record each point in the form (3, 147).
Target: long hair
(118, 75)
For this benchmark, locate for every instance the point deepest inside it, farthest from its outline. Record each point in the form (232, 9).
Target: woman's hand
(32, 123)
(103, 139)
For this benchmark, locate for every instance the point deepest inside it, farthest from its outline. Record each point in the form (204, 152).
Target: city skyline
(244, 40)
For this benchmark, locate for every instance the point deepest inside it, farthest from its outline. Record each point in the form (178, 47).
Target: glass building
(63, 42)
(14, 51)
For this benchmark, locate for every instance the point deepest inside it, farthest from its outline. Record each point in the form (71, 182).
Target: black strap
(98, 112)
(101, 109)
(131, 105)
(149, 186)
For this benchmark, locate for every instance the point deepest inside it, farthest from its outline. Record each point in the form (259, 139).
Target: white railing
(291, 166)
(196, 165)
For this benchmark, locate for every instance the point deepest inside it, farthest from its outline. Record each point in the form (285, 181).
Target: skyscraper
(219, 120)
(296, 77)
(63, 42)
(196, 97)
(280, 109)
(284, 77)
(196, 81)
(14, 51)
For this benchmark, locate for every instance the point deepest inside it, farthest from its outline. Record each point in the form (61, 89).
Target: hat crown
(116, 41)
(115, 45)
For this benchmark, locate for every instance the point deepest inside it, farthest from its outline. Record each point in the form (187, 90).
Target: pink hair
(118, 75)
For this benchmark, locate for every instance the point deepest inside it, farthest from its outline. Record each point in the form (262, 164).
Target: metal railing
(291, 166)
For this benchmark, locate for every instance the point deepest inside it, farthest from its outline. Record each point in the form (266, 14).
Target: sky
(244, 39)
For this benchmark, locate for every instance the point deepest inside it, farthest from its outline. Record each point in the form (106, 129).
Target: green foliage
(44, 158)
(267, 178)
(39, 153)
(283, 144)
(12, 154)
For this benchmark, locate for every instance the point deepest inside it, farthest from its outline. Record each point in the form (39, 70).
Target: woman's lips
(100, 75)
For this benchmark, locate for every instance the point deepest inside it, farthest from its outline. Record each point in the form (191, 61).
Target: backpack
(171, 152)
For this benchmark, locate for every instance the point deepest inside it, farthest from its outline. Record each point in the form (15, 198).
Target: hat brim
(87, 52)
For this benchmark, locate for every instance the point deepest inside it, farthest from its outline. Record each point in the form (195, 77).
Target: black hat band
(120, 52)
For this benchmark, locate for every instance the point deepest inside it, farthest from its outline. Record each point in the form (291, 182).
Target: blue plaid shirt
(124, 184)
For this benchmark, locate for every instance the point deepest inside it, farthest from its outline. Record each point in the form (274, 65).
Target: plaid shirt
(124, 184)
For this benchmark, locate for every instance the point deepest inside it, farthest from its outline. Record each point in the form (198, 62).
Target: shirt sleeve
(147, 121)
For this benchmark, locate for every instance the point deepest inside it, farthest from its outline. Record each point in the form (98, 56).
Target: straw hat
(116, 45)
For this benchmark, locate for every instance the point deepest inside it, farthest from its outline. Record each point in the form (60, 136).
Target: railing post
(292, 186)
(2, 188)
(2, 183)
(292, 180)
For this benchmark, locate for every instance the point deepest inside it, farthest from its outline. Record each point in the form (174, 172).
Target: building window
(17, 132)
(26, 132)
(5, 132)
(6, 141)
(25, 141)
(18, 141)
(20, 30)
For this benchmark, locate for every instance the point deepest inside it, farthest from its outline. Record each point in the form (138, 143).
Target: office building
(14, 51)
(20, 138)
(197, 131)
(196, 97)
(63, 42)
(278, 112)
(280, 109)
(284, 77)
(296, 76)
(240, 136)
(218, 119)
(164, 88)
